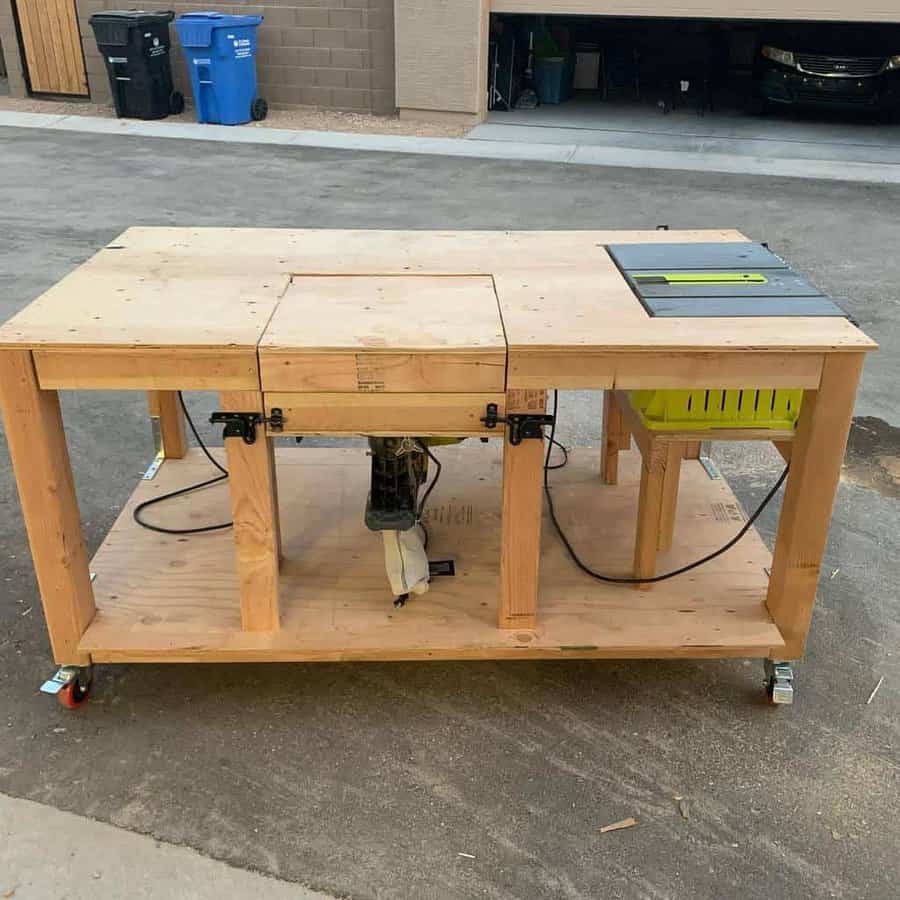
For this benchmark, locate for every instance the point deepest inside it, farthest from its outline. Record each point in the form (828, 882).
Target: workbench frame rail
(39, 454)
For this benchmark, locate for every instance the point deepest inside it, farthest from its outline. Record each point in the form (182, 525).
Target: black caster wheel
(176, 103)
(259, 109)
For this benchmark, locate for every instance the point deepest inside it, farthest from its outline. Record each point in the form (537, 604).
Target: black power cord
(185, 490)
(617, 580)
(437, 474)
(565, 459)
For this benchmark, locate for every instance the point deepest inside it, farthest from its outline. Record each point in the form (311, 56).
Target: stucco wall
(441, 55)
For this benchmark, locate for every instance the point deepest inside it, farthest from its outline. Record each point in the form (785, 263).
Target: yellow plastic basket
(700, 410)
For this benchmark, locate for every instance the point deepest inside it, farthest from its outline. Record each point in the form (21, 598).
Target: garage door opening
(693, 76)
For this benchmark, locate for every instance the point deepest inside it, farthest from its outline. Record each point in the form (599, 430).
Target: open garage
(578, 63)
(702, 66)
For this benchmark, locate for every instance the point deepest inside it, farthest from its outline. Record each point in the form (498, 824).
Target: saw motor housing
(399, 469)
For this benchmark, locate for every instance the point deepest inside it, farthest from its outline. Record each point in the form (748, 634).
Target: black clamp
(520, 425)
(243, 424)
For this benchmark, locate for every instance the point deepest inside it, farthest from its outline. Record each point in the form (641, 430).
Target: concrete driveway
(459, 780)
(728, 140)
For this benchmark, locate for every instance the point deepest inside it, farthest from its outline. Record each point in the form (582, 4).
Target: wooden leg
(37, 447)
(660, 467)
(784, 448)
(165, 408)
(521, 527)
(613, 435)
(816, 457)
(692, 449)
(671, 477)
(255, 513)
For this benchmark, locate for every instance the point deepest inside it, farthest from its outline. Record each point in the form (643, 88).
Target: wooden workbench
(381, 332)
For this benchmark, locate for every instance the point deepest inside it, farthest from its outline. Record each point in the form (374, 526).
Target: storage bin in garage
(702, 409)
(587, 67)
(553, 78)
(221, 55)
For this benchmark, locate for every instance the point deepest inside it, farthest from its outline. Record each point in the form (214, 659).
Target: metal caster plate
(779, 682)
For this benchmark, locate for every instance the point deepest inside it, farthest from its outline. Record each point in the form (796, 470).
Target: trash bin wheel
(176, 103)
(259, 109)
(74, 695)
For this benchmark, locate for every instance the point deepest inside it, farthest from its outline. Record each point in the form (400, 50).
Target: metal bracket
(243, 424)
(520, 425)
(705, 459)
(160, 458)
(66, 675)
(153, 468)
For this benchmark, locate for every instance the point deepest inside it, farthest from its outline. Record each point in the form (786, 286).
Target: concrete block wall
(331, 54)
(10, 44)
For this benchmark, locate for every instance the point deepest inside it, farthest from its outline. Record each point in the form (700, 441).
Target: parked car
(839, 66)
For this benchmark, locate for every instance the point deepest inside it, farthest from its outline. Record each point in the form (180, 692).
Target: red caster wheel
(71, 685)
(74, 695)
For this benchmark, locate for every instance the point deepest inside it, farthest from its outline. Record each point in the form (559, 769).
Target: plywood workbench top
(556, 291)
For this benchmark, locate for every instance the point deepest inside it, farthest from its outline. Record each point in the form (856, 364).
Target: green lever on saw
(704, 278)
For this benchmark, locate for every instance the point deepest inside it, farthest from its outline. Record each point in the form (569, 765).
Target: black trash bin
(135, 47)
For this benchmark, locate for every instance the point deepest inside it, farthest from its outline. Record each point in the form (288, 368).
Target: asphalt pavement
(471, 779)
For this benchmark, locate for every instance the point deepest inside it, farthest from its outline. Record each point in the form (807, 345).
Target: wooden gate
(52, 46)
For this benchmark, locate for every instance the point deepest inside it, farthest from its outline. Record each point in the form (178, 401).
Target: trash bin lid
(132, 16)
(195, 29)
(113, 26)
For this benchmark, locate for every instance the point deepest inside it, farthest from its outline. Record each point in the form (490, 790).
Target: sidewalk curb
(472, 148)
(48, 853)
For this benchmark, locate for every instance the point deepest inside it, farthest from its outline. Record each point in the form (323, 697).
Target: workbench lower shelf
(163, 598)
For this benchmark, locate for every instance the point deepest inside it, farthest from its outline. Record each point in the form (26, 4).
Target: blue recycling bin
(221, 54)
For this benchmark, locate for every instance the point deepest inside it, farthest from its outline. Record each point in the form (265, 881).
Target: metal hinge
(243, 424)
(519, 425)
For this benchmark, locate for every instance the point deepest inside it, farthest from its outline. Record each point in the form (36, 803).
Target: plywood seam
(323, 350)
(711, 349)
(288, 281)
(380, 274)
(503, 328)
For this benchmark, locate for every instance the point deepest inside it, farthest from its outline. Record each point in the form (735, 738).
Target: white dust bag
(406, 561)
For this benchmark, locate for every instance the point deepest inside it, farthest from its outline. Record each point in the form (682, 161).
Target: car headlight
(893, 62)
(785, 57)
